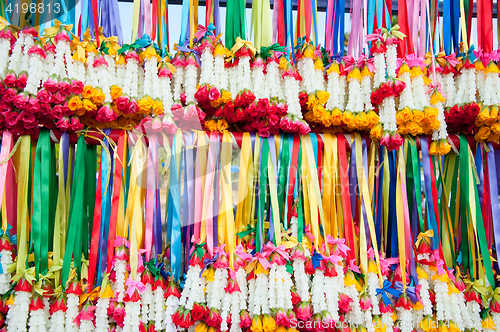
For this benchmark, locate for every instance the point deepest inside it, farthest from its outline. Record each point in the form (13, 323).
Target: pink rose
(21, 100)
(281, 109)
(202, 94)
(21, 80)
(156, 125)
(106, 114)
(57, 112)
(44, 96)
(132, 106)
(51, 84)
(64, 123)
(11, 118)
(33, 106)
(214, 93)
(57, 98)
(9, 95)
(10, 80)
(76, 124)
(122, 104)
(26, 117)
(263, 105)
(50, 47)
(76, 87)
(62, 36)
(36, 49)
(65, 87)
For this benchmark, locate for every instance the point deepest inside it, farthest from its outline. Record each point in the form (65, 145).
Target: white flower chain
(57, 321)
(220, 73)
(379, 63)
(190, 81)
(207, 67)
(178, 81)
(5, 260)
(273, 82)
(72, 304)
(17, 55)
(292, 96)
(101, 315)
(4, 56)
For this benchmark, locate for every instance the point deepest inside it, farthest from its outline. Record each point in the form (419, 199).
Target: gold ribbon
(58, 26)
(426, 237)
(477, 285)
(240, 43)
(440, 58)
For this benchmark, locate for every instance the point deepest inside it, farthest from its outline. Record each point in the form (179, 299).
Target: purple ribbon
(387, 289)
(186, 49)
(495, 209)
(209, 261)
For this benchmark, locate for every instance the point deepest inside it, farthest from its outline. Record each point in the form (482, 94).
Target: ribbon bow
(241, 253)
(27, 274)
(301, 42)
(94, 294)
(198, 247)
(340, 243)
(477, 285)
(496, 294)
(316, 259)
(154, 268)
(426, 237)
(260, 257)
(12, 238)
(386, 288)
(413, 293)
(143, 42)
(374, 36)
(270, 249)
(392, 33)
(248, 231)
(58, 26)
(353, 266)
(470, 54)
(385, 263)
(119, 241)
(240, 43)
(133, 286)
(188, 50)
(208, 262)
(204, 31)
(267, 51)
(433, 87)
(334, 259)
(307, 230)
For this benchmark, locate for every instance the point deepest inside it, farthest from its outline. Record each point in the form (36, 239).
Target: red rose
(9, 95)
(21, 81)
(63, 124)
(65, 87)
(376, 98)
(57, 98)
(398, 87)
(202, 94)
(26, 117)
(51, 84)
(10, 80)
(76, 124)
(44, 96)
(344, 303)
(385, 90)
(214, 319)
(470, 112)
(11, 118)
(303, 99)
(122, 104)
(199, 312)
(273, 119)
(21, 100)
(263, 105)
(77, 87)
(33, 106)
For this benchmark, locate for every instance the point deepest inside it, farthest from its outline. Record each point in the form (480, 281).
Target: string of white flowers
(72, 311)
(319, 79)
(302, 281)
(390, 60)
(318, 292)
(5, 260)
(101, 315)
(131, 321)
(48, 65)
(140, 82)
(489, 95)
(332, 297)
(496, 318)
(406, 97)
(59, 66)
(273, 82)
(373, 284)
(190, 81)
(147, 309)
(36, 321)
(244, 74)
(333, 88)
(366, 90)
(148, 77)
(307, 71)
(121, 69)
(442, 307)
(355, 316)
(28, 44)
(103, 79)
(172, 303)
(386, 318)
(166, 94)
(91, 74)
(466, 92)
(111, 70)
(474, 311)
(405, 320)
(80, 71)
(193, 288)
(261, 299)
(220, 73)
(214, 298)
(459, 311)
(71, 69)
(449, 89)
(119, 286)
(292, 96)
(57, 321)
(131, 80)
(420, 98)
(17, 54)
(4, 56)
(251, 296)
(388, 114)
(36, 74)
(441, 132)
(379, 63)
(354, 99)
(258, 80)
(178, 80)
(207, 66)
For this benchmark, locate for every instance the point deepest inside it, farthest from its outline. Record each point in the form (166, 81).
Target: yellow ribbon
(22, 203)
(58, 26)
(227, 222)
(4, 23)
(440, 58)
(426, 236)
(240, 43)
(477, 285)
(94, 294)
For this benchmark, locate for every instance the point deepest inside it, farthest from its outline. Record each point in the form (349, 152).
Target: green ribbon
(264, 159)
(40, 224)
(414, 179)
(235, 21)
(143, 42)
(283, 174)
(198, 249)
(76, 213)
(90, 195)
(464, 199)
(300, 212)
(249, 230)
(267, 51)
(151, 266)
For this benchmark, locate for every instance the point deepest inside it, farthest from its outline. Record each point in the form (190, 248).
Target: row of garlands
(370, 232)
(58, 81)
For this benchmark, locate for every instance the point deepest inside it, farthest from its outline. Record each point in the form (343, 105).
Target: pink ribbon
(85, 314)
(340, 243)
(133, 286)
(371, 253)
(439, 266)
(334, 259)
(308, 233)
(220, 250)
(353, 266)
(241, 253)
(139, 253)
(261, 257)
(119, 241)
(374, 36)
(451, 275)
(270, 249)
(385, 263)
(452, 60)
(436, 86)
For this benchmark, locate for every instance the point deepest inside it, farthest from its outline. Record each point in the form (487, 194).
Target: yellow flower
(443, 147)
(348, 119)
(318, 64)
(256, 324)
(312, 101)
(336, 117)
(108, 292)
(145, 104)
(484, 114)
(202, 327)
(376, 131)
(268, 323)
(417, 306)
(402, 130)
(482, 134)
(494, 111)
(88, 91)
(404, 69)
(452, 288)
(98, 97)
(418, 116)
(319, 111)
(453, 327)
(89, 105)
(414, 128)
(421, 274)
(478, 122)
(283, 62)
(372, 267)
(379, 324)
(373, 118)
(75, 103)
(431, 112)
(437, 97)
(212, 329)
(157, 107)
(416, 71)
(442, 326)
(493, 137)
(226, 96)
(428, 324)
(489, 324)
(116, 92)
(322, 96)
(259, 269)
(433, 149)
(281, 329)
(362, 121)
(209, 274)
(211, 125)
(496, 128)
(354, 74)
(222, 125)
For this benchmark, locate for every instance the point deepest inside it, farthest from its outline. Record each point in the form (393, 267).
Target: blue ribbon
(173, 218)
(447, 27)
(316, 259)
(470, 54)
(209, 31)
(432, 224)
(387, 289)
(411, 291)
